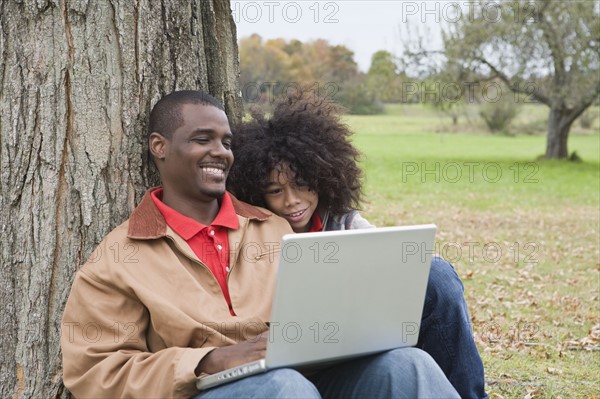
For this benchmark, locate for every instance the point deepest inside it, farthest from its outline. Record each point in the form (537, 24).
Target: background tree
(446, 92)
(77, 80)
(270, 63)
(300, 70)
(341, 64)
(445, 96)
(271, 67)
(544, 50)
(383, 77)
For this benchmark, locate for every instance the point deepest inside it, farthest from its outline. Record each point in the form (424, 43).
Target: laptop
(343, 294)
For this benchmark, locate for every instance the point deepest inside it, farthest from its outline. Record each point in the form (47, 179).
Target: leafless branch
(515, 86)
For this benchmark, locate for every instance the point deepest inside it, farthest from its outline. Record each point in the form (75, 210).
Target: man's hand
(234, 355)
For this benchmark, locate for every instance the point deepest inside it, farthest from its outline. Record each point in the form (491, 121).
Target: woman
(300, 164)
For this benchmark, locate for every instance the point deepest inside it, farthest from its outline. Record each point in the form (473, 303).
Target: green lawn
(523, 234)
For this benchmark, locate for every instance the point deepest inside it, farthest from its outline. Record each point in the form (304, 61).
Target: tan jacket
(144, 310)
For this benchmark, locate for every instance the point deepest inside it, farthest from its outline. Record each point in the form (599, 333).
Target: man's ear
(157, 144)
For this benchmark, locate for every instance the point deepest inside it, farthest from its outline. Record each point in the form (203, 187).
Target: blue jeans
(446, 331)
(401, 373)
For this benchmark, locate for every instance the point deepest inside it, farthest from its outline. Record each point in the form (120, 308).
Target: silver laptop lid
(346, 293)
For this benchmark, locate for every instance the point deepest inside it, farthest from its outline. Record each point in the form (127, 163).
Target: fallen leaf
(553, 370)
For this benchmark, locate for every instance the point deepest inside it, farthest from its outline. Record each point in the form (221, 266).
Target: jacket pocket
(255, 253)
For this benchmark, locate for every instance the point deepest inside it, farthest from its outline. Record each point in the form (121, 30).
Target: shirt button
(227, 269)
(212, 233)
(219, 247)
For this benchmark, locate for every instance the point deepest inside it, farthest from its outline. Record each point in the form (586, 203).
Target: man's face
(195, 161)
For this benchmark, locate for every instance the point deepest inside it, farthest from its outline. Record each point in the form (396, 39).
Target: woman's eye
(273, 191)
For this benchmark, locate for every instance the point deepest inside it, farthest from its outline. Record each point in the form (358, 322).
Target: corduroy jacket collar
(146, 221)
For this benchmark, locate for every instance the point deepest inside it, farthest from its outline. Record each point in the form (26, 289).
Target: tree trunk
(559, 125)
(77, 81)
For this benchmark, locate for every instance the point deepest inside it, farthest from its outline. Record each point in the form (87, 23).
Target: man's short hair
(165, 116)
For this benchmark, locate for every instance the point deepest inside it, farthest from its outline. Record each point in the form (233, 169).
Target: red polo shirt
(209, 243)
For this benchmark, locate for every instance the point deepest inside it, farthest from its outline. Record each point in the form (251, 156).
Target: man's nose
(219, 150)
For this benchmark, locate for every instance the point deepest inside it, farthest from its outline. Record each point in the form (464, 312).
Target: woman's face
(291, 199)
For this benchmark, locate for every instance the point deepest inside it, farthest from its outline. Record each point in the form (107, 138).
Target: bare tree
(77, 81)
(543, 50)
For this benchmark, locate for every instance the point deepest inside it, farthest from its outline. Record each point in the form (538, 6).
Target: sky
(361, 25)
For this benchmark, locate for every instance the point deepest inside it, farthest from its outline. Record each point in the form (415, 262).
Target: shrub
(355, 96)
(587, 118)
(498, 115)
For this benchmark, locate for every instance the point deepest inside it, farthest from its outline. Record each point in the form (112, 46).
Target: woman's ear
(157, 144)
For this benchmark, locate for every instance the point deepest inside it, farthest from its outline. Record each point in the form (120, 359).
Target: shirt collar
(187, 227)
(226, 217)
(316, 224)
(146, 222)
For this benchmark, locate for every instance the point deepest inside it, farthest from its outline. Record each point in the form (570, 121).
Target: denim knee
(280, 383)
(288, 383)
(411, 372)
(444, 285)
(409, 359)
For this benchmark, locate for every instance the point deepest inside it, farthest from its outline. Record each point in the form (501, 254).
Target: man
(192, 291)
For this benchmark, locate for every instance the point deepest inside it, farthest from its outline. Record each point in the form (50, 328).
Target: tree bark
(77, 81)
(559, 125)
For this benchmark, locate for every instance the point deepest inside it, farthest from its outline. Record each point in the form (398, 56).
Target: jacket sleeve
(105, 352)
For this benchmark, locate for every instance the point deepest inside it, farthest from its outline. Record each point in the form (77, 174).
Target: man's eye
(227, 144)
(201, 140)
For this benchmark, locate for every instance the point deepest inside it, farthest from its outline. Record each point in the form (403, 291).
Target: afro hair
(306, 133)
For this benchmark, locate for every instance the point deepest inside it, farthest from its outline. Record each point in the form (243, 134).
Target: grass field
(522, 233)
